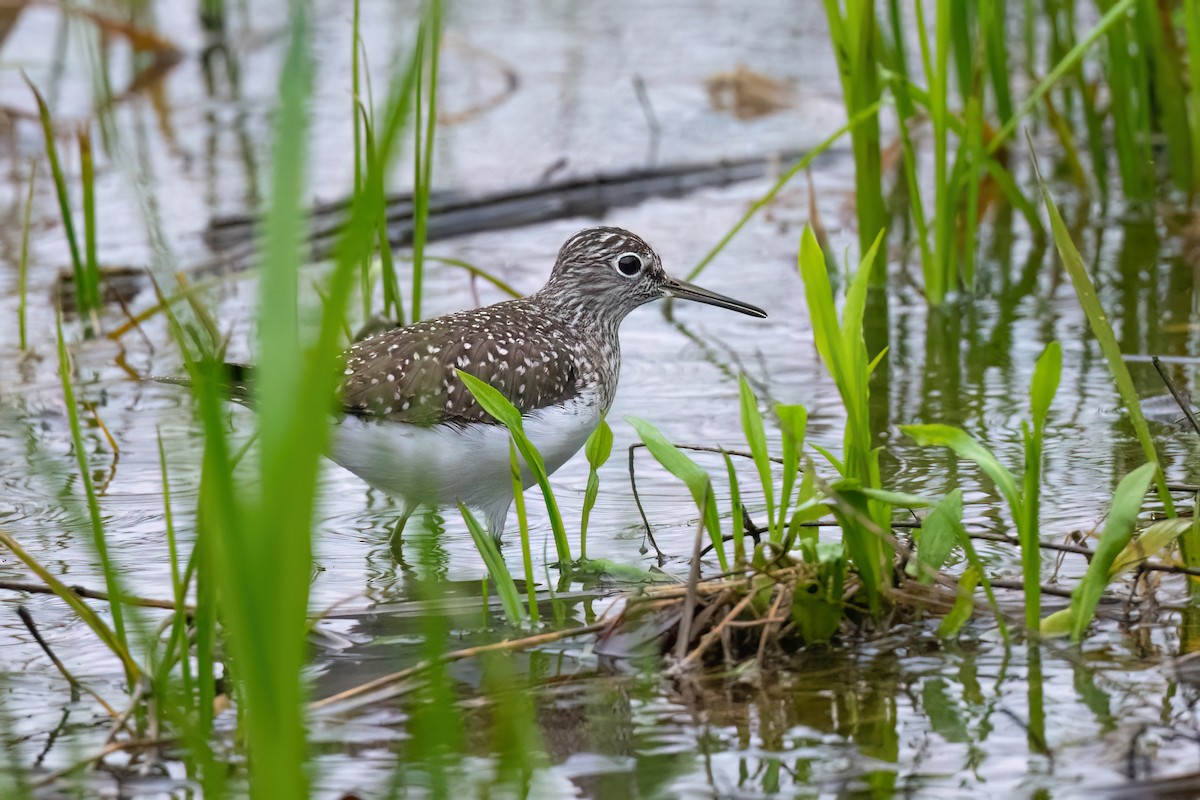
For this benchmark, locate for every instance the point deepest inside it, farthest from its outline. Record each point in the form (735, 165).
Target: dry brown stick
(1184, 406)
(711, 636)
(108, 750)
(689, 603)
(1004, 539)
(772, 623)
(1020, 587)
(91, 594)
(451, 657)
(754, 623)
(139, 691)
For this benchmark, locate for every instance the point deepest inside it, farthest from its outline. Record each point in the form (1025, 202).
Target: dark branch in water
(454, 214)
(1184, 404)
(74, 682)
(90, 594)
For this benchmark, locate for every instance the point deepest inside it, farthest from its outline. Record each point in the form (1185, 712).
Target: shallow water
(901, 712)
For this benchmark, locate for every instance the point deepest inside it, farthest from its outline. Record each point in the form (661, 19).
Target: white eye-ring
(629, 264)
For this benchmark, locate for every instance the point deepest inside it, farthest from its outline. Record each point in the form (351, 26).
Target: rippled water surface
(903, 711)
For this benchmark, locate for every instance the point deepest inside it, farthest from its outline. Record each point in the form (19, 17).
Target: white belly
(444, 464)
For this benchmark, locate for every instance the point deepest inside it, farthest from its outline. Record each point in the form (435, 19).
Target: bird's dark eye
(629, 265)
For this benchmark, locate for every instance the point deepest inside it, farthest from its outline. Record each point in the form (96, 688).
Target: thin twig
(1185, 406)
(689, 603)
(388, 681)
(712, 635)
(75, 683)
(772, 625)
(108, 750)
(92, 594)
(662, 557)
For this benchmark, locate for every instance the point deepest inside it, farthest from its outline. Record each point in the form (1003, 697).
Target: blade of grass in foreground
(496, 404)
(111, 581)
(23, 264)
(1118, 530)
(258, 541)
(1103, 332)
(506, 588)
(523, 528)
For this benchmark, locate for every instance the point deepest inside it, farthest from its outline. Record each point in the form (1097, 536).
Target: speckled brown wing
(408, 374)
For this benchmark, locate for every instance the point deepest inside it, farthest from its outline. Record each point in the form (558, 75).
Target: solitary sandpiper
(411, 428)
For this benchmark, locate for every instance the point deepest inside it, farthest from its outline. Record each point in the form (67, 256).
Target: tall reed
(857, 46)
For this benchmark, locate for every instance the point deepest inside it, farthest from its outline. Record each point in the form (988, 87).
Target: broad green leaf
(1152, 541)
(674, 460)
(964, 605)
(817, 606)
(902, 499)
(493, 401)
(967, 447)
(940, 530)
(597, 449)
(1044, 386)
(821, 308)
(861, 542)
(1056, 624)
(599, 445)
(1118, 530)
(855, 308)
(756, 439)
(696, 479)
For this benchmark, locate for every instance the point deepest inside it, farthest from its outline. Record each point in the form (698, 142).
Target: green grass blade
(855, 120)
(693, 476)
(23, 263)
(1112, 17)
(793, 421)
(431, 36)
(506, 587)
(1102, 330)
(735, 501)
(756, 438)
(106, 635)
(523, 528)
(111, 579)
(501, 408)
(1191, 22)
(64, 201)
(964, 604)
(597, 450)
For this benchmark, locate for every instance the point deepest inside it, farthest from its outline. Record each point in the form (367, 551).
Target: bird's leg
(497, 516)
(398, 529)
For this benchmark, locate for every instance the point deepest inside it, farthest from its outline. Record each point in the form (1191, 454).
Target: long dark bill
(690, 291)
